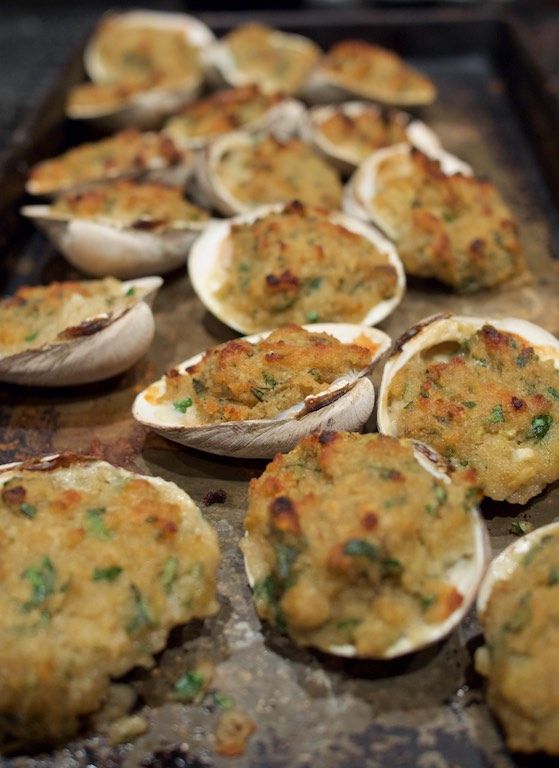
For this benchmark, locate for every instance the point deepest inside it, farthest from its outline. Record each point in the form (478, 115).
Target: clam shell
(437, 329)
(504, 565)
(465, 575)
(88, 358)
(101, 248)
(282, 120)
(361, 187)
(196, 33)
(208, 189)
(418, 133)
(209, 256)
(346, 404)
(324, 86)
(221, 67)
(159, 170)
(147, 108)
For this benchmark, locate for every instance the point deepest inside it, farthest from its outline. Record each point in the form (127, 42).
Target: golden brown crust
(376, 73)
(268, 170)
(133, 204)
(286, 267)
(362, 134)
(489, 404)
(348, 541)
(521, 626)
(239, 380)
(98, 565)
(453, 227)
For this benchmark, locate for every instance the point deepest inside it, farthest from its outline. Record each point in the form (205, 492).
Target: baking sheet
(425, 710)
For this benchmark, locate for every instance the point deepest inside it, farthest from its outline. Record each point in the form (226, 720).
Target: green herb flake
(189, 686)
(391, 567)
(426, 601)
(42, 579)
(141, 614)
(553, 576)
(469, 403)
(199, 386)
(106, 574)
(183, 405)
(29, 510)
(313, 316)
(285, 557)
(130, 292)
(540, 426)
(223, 700)
(521, 617)
(361, 548)
(95, 523)
(169, 573)
(497, 415)
(266, 589)
(32, 337)
(269, 380)
(314, 283)
(348, 624)
(520, 527)
(553, 392)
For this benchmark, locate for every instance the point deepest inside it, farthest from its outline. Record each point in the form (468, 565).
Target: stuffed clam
(122, 228)
(144, 65)
(357, 69)
(362, 545)
(257, 54)
(128, 154)
(254, 396)
(294, 263)
(245, 107)
(519, 612)
(446, 223)
(75, 332)
(484, 393)
(240, 172)
(346, 134)
(99, 565)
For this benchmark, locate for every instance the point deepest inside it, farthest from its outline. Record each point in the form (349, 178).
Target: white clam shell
(362, 186)
(145, 109)
(211, 253)
(324, 86)
(158, 170)
(465, 575)
(222, 69)
(209, 190)
(346, 404)
(85, 359)
(195, 32)
(438, 329)
(506, 563)
(101, 248)
(418, 133)
(282, 119)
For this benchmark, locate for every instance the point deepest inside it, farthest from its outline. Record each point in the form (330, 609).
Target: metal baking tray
(427, 709)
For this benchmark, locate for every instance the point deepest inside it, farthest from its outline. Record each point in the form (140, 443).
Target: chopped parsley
(29, 510)
(469, 403)
(361, 548)
(183, 405)
(169, 573)
(95, 523)
(553, 576)
(42, 579)
(440, 498)
(189, 686)
(130, 292)
(540, 426)
(497, 415)
(32, 336)
(520, 527)
(313, 316)
(141, 615)
(106, 574)
(553, 392)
